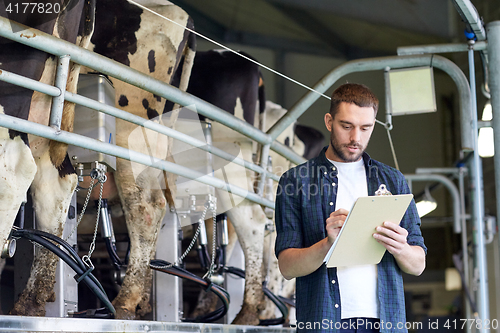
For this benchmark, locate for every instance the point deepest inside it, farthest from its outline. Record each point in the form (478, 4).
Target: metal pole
(60, 82)
(362, 65)
(465, 252)
(478, 220)
(493, 30)
(264, 160)
(441, 48)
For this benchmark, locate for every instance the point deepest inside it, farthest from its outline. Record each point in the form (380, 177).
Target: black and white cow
(132, 36)
(234, 84)
(32, 161)
(154, 46)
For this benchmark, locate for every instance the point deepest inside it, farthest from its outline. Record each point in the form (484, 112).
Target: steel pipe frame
(90, 103)
(483, 305)
(50, 44)
(493, 30)
(457, 224)
(45, 42)
(56, 111)
(49, 90)
(382, 63)
(110, 149)
(441, 48)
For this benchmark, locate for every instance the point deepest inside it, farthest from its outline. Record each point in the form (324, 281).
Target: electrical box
(92, 123)
(410, 91)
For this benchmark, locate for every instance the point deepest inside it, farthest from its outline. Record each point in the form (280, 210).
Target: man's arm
(296, 262)
(300, 262)
(410, 258)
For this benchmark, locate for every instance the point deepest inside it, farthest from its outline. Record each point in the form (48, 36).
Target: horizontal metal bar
(90, 103)
(113, 150)
(56, 46)
(484, 123)
(50, 44)
(441, 48)
(112, 111)
(70, 325)
(24, 82)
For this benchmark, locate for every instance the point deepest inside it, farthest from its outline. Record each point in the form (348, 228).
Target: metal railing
(65, 50)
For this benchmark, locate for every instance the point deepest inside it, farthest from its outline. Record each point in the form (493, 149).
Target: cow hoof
(122, 313)
(246, 318)
(28, 307)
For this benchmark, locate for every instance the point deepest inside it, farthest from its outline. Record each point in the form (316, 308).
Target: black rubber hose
(115, 259)
(71, 251)
(89, 279)
(220, 292)
(69, 248)
(276, 300)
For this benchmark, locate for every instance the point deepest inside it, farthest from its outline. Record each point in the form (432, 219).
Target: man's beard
(341, 150)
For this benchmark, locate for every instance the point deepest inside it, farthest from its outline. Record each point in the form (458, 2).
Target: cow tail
(169, 189)
(262, 94)
(58, 150)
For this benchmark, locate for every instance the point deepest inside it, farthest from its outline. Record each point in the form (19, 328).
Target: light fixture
(485, 144)
(427, 204)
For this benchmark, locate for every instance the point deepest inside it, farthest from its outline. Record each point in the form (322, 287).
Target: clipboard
(355, 244)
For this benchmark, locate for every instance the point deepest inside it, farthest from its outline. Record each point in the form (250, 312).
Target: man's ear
(328, 122)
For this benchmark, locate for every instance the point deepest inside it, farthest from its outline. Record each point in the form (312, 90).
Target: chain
(214, 239)
(84, 208)
(209, 204)
(92, 245)
(101, 178)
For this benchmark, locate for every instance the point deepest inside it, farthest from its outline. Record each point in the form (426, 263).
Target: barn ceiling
(343, 29)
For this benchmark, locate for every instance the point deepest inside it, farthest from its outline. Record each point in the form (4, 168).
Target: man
(312, 203)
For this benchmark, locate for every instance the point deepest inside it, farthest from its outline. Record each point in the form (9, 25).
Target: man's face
(350, 132)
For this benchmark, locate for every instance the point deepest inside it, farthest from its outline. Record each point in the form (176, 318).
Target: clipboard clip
(382, 190)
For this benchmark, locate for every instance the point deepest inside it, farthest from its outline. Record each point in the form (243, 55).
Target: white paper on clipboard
(355, 244)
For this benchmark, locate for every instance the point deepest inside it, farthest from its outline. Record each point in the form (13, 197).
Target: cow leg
(51, 191)
(17, 170)
(144, 207)
(249, 221)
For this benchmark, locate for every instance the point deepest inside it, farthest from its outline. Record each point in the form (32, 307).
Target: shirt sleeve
(411, 221)
(288, 214)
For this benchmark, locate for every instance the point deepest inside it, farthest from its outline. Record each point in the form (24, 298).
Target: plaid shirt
(306, 196)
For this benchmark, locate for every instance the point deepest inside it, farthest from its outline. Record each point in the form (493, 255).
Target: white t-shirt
(357, 284)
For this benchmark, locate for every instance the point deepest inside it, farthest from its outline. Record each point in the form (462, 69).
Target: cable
(392, 149)
(115, 259)
(71, 258)
(164, 266)
(231, 50)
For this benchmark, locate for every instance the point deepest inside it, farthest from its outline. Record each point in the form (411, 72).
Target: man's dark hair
(353, 93)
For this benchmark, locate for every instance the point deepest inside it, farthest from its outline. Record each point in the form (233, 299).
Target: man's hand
(392, 237)
(411, 259)
(334, 223)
